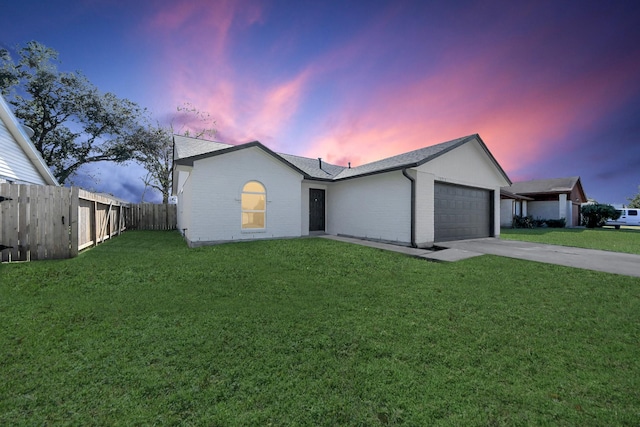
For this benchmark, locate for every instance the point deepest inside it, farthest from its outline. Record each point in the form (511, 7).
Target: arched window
(254, 206)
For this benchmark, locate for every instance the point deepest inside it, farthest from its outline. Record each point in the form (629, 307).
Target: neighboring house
(20, 162)
(545, 199)
(444, 192)
(511, 205)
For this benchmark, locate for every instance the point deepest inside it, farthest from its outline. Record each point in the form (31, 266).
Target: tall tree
(635, 201)
(73, 122)
(156, 142)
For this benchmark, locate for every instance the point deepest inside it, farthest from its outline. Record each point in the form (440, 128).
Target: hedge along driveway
(143, 330)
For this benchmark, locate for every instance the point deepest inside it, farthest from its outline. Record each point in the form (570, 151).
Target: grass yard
(626, 239)
(142, 330)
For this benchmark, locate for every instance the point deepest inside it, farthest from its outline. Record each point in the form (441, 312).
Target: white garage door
(462, 212)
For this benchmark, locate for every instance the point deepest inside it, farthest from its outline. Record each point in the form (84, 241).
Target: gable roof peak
(189, 149)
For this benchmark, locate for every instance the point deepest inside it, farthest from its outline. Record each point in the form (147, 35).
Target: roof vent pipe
(320, 162)
(349, 165)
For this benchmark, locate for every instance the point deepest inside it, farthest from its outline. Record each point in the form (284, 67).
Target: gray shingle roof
(410, 159)
(540, 186)
(312, 166)
(189, 149)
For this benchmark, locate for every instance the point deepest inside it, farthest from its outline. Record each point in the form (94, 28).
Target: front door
(316, 209)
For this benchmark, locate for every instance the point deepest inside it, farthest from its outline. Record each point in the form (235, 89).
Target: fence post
(33, 223)
(23, 229)
(11, 220)
(95, 223)
(73, 221)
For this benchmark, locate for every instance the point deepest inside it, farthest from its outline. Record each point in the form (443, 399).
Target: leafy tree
(635, 201)
(73, 122)
(596, 214)
(156, 153)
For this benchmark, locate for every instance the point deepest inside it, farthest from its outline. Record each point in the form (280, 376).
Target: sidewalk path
(589, 259)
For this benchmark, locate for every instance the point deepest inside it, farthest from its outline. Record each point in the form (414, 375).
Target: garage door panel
(461, 212)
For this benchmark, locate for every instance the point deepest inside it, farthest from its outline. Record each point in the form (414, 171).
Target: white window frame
(243, 211)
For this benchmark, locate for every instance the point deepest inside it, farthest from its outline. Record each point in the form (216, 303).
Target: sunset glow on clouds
(552, 89)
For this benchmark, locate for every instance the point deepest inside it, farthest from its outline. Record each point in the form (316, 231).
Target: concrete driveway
(589, 259)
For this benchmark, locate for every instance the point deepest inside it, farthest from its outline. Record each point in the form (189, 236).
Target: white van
(628, 216)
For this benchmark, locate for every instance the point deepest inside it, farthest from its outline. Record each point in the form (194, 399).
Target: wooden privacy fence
(47, 222)
(148, 216)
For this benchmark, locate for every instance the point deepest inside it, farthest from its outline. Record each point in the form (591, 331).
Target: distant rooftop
(539, 186)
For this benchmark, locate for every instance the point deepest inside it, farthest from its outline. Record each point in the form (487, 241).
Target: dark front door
(316, 209)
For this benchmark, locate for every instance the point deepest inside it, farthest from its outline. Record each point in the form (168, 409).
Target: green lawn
(142, 330)
(609, 239)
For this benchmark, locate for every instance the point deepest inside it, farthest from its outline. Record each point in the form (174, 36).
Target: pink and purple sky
(552, 87)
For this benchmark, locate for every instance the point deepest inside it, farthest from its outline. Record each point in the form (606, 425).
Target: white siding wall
(216, 185)
(374, 207)
(467, 165)
(552, 209)
(184, 203)
(496, 212)
(14, 163)
(304, 210)
(183, 174)
(425, 208)
(506, 212)
(562, 208)
(543, 210)
(569, 214)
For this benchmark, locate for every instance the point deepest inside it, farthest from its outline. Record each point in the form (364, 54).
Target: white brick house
(448, 191)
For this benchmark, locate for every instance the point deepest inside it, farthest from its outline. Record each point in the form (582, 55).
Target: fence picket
(148, 216)
(14, 224)
(42, 218)
(33, 221)
(74, 213)
(49, 222)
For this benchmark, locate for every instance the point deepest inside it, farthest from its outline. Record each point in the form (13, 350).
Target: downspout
(413, 207)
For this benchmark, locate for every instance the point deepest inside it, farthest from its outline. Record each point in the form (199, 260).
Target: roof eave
(392, 169)
(509, 195)
(188, 161)
(493, 159)
(30, 150)
(534, 193)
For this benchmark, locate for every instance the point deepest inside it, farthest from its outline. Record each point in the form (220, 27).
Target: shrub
(539, 222)
(522, 221)
(596, 214)
(556, 223)
(530, 222)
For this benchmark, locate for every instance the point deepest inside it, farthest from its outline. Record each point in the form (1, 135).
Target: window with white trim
(254, 206)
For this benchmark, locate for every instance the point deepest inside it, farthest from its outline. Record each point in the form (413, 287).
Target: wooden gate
(34, 222)
(48, 222)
